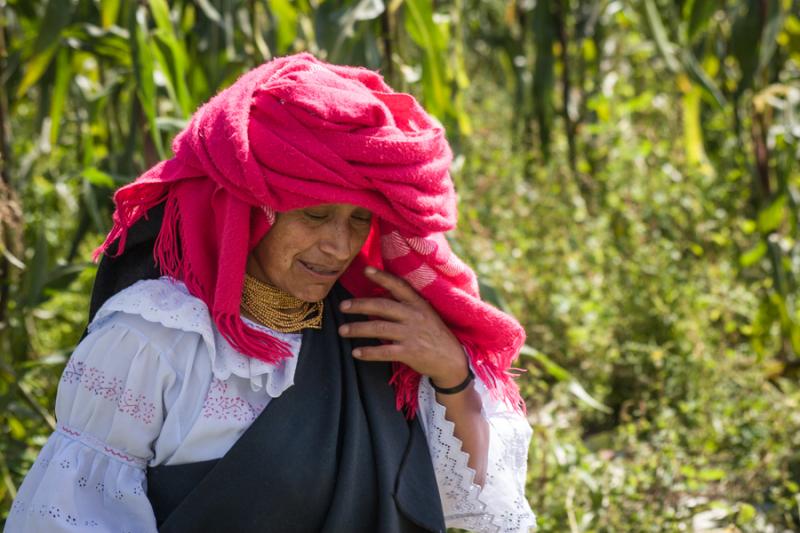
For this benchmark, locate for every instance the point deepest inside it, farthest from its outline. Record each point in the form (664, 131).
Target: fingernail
(370, 270)
(345, 305)
(344, 330)
(357, 353)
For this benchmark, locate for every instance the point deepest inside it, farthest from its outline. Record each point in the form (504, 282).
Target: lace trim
(99, 446)
(273, 379)
(500, 506)
(167, 301)
(456, 480)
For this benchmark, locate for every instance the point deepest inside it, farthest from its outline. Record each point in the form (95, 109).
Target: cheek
(276, 251)
(363, 237)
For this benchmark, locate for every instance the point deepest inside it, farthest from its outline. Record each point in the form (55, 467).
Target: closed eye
(315, 216)
(362, 215)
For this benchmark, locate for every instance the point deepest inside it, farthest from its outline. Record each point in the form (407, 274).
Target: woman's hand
(418, 336)
(421, 340)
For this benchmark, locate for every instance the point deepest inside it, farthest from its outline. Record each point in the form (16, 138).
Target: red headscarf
(296, 132)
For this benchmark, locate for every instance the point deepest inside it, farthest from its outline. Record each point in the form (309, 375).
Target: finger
(380, 307)
(384, 352)
(399, 287)
(374, 329)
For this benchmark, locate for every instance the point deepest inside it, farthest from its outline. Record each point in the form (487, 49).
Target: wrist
(456, 375)
(462, 386)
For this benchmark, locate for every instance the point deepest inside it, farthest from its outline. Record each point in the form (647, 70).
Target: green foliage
(628, 184)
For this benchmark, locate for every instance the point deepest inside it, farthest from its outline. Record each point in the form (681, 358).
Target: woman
(236, 383)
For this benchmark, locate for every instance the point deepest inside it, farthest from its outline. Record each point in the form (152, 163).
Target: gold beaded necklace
(277, 309)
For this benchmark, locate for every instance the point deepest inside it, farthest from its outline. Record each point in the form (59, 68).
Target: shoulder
(151, 326)
(160, 310)
(178, 326)
(145, 350)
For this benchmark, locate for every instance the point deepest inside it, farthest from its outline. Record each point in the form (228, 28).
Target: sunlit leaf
(109, 10)
(37, 273)
(285, 15)
(699, 75)
(771, 217)
(144, 70)
(700, 12)
(368, 9)
(97, 177)
(692, 129)
(665, 47)
(89, 196)
(59, 94)
(35, 68)
(772, 26)
(15, 427)
(544, 71)
(424, 31)
(553, 369)
(746, 513)
(753, 255)
(160, 11)
(744, 43)
(209, 11)
(561, 374)
(580, 393)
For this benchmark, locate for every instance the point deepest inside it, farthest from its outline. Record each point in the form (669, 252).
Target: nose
(336, 241)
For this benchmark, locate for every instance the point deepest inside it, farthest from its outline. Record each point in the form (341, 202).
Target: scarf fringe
(250, 341)
(406, 386)
(168, 252)
(132, 203)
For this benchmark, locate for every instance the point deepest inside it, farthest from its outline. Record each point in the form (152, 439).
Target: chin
(313, 294)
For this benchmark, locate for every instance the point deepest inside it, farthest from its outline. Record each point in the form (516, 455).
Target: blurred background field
(629, 187)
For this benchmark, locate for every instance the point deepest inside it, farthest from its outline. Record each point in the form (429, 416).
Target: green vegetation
(629, 187)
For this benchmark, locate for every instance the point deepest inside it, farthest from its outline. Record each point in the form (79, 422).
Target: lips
(321, 270)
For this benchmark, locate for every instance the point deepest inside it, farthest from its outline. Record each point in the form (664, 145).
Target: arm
(463, 409)
(500, 504)
(90, 475)
(421, 340)
(479, 445)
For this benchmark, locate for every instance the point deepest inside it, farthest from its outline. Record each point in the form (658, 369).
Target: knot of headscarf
(297, 132)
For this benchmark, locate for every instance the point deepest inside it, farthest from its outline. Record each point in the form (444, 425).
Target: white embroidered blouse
(155, 383)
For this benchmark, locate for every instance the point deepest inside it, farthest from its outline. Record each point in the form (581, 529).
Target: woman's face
(306, 250)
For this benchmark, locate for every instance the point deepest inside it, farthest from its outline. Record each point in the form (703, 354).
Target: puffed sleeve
(500, 505)
(90, 475)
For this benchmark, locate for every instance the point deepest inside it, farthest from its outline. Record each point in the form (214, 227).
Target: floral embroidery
(222, 407)
(111, 389)
(137, 406)
(72, 372)
(95, 381)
